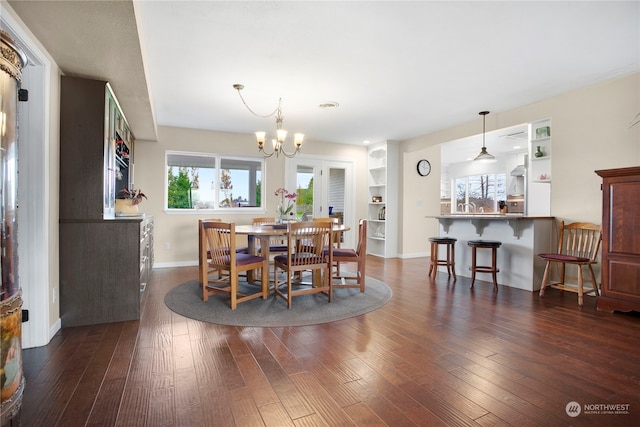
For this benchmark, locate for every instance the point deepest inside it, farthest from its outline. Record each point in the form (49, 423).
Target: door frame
(37, 234)
(324, 163)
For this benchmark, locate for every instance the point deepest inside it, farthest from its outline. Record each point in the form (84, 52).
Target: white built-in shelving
(539, 189)
(382, 212)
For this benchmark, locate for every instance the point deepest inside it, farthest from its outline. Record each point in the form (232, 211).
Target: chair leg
(233, 290)
(545, 277)
(580, 290)
(473, 266)
(432, 260)
(328, 281)
(289, 289)
(205, 294)
(453, 260)
(494, 267)
(264, 275)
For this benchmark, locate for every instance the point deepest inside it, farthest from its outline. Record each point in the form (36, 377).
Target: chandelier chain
(266, 116)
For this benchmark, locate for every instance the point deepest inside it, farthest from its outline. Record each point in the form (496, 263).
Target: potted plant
(127, 201)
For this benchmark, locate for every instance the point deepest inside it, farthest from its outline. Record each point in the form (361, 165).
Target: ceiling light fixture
(484, 156)
(329, 104)
(281, 134)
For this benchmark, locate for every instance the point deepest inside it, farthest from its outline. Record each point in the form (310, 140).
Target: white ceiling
(397, 69)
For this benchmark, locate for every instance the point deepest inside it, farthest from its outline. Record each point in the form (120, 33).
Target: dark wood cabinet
(105, 262)
(620, 240)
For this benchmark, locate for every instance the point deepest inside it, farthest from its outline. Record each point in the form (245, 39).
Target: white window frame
(218, 160)
(454, 189)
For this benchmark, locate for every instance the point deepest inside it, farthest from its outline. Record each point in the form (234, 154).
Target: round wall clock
(424, 167)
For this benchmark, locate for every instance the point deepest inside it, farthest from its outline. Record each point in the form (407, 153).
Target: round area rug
(186, 300)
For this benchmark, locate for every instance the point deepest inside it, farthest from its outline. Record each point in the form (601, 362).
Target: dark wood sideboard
(620, 240)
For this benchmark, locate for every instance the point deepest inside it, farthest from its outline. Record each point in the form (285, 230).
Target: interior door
(325, 188)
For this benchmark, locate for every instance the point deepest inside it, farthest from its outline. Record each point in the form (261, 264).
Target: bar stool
(493, 269)
(449, 262)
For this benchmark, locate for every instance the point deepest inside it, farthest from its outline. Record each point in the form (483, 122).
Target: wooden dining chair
(200, 237)
(217, 255)
(578, 244)
(276, 244)
(306, 242)
(337, 235)
(349, 255)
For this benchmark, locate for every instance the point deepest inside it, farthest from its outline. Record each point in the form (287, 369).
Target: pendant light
(484, 155)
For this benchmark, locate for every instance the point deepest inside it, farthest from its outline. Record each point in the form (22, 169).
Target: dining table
(263, 233)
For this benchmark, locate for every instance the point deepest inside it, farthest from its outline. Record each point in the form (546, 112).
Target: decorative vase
(126, 206)
(539, 153)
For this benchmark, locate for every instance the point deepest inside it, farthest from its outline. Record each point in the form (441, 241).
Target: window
(482, 190)
(208, 181)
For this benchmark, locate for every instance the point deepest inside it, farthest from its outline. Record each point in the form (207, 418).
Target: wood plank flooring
(438, 354)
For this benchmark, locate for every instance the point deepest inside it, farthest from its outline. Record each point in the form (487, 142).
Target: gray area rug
(186, 300)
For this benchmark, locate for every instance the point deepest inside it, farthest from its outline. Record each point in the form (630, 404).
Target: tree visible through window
(484, 191)
(207, 181)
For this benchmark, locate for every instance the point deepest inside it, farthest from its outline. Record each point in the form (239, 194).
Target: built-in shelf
(382, 209)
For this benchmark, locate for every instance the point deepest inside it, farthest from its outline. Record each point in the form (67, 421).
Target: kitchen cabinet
(104, 269)
(104, 260)
(620, 289)
(96, 149)
(382, 211)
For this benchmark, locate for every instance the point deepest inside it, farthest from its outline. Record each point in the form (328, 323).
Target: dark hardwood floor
(438, 354)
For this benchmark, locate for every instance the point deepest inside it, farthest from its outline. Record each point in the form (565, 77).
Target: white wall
(591, 131)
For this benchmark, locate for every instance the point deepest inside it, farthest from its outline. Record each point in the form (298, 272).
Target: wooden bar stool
(493, 269)
(449, 262)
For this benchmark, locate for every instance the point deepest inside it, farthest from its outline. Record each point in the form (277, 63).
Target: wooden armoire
(620, 240)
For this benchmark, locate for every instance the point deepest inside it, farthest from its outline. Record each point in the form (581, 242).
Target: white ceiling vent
(519, 136)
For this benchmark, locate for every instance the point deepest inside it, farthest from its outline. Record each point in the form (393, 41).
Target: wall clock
(424, 167)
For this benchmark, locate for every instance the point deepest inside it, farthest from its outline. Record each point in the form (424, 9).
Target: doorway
(325, 188)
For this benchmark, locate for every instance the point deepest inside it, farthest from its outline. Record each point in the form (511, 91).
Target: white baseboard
(175, 264)
(414, 255)
(55, 328)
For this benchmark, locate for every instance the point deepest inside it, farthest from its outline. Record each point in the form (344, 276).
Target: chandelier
(484, 156)
(281, 134)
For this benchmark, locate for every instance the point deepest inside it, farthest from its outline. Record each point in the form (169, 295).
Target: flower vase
(126, 206)
(539, 153)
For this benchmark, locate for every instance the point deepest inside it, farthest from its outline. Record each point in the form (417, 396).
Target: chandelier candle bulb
(260, 137)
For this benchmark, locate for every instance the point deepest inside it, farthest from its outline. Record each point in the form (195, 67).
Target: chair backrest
(200, 239)
(263, 220)
(332, 219)
(307, 240)
(337, 235)
(580, 239)
(219, 241)
(361, 249)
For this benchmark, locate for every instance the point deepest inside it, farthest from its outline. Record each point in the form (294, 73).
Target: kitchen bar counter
(522, 237)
